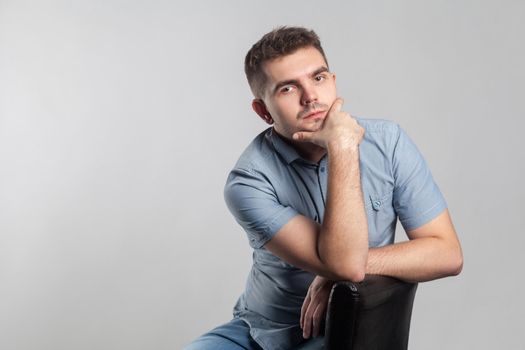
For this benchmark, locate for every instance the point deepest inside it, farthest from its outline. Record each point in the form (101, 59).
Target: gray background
(119, 121)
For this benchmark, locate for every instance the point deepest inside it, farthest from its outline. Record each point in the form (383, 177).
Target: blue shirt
(271, 183)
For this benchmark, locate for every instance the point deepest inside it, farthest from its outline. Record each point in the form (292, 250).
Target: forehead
(302, 62)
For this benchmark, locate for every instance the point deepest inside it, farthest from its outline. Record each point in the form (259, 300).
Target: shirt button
(322, 169)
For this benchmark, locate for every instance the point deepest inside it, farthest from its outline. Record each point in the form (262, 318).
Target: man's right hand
(339, 130)
(337, 249)
(313, 311)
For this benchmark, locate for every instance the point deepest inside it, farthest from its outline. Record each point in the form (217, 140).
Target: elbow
(351, 268)
(357, 276)
(457, 266)
(353, 274)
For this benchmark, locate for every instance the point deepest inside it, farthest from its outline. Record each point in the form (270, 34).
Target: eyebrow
(294, 81)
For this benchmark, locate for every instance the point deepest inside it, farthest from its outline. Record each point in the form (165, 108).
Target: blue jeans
(235, 335)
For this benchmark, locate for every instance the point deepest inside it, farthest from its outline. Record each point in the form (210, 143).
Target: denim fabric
(236, 335)
(232, 335)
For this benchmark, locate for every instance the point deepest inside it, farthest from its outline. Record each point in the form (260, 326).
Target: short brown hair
(279, 42)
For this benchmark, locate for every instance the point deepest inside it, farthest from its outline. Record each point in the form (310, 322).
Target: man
(319, 195)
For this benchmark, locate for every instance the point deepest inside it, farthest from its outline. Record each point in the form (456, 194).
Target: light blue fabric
(233, 335)
(271, 183)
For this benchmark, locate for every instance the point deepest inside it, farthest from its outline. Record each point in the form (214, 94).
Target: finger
(317, 319)
(337, 105)
(306, 302)
(306, 325)
(307, 329)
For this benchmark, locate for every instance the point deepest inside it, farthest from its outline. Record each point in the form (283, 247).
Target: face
(298, 93)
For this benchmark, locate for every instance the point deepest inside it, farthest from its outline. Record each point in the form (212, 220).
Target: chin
(314, 125)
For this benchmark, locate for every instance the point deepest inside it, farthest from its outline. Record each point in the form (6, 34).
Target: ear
(260, 108)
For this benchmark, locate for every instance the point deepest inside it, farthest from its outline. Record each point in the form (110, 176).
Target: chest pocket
(381, 218)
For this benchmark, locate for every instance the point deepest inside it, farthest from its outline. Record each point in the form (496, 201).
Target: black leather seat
(371, 315)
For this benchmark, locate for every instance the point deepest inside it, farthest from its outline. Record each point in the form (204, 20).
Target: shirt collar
(286, 151)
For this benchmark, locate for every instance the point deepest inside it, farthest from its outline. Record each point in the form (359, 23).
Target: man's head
(288, 74)
(275, 44)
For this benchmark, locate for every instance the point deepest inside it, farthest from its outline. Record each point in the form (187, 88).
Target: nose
(309, 95)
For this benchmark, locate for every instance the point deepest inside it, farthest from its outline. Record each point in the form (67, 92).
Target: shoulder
(378, 126)
(256, 154)
(260, 158)
(257, 168)
(380, 134)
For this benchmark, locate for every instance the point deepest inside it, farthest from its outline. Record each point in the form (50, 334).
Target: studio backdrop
(120, 120)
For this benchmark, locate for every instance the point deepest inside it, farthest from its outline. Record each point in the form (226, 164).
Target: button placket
(321, 176)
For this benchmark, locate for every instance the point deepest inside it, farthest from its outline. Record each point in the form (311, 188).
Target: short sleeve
(417, 198)
(251, 199)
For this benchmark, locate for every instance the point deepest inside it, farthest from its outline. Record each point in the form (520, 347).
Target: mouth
(313, 115)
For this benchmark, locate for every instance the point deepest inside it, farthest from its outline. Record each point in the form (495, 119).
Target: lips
(313, 114)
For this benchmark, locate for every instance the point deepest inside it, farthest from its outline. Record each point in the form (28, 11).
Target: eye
(320, 77)
(286, 89)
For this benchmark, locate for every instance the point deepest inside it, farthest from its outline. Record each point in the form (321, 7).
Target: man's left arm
(432, 252)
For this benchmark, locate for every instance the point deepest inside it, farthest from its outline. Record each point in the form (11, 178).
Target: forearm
(418, 260)
(343, 240)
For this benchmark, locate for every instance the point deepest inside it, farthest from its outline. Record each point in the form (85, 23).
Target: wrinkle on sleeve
(252, 200)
